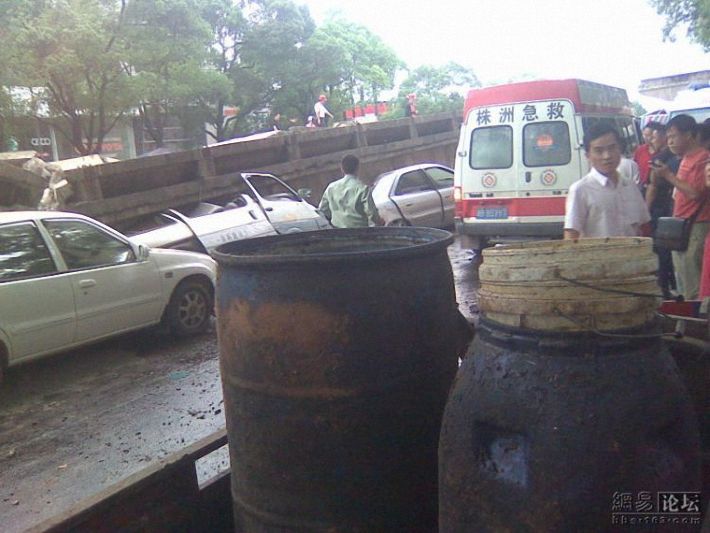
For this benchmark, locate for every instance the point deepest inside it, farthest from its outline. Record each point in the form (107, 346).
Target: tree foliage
(638, 108)
(218, 65)
(69, 55)
(693, 14)
(353, 59)
(438, 88)
(167, 45)
(276, 32)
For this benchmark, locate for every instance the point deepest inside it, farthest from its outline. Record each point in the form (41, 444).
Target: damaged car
(267, 206)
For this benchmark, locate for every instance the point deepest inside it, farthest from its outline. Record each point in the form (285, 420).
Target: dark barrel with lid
(560, 421)
(337, 351)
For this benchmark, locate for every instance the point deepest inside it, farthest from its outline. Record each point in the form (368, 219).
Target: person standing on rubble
(321, 112)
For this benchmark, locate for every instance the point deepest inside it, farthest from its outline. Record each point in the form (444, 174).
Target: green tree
(438, 88)
(353, 61)
(276, 34)
(227, 26)
(168, 47)
(70, 55)
(254, 48)
(695, 14)
(638, 108)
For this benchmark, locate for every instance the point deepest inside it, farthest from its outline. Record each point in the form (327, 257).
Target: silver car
(418, 195)
(268, 206)
(208, 225)
(286, 209)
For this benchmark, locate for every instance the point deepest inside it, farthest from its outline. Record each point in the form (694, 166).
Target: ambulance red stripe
(517, 207)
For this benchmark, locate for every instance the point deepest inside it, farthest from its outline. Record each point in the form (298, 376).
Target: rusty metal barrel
(337, 350)
(570, 414)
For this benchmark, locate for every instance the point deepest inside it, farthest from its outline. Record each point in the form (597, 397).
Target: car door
(37, 310)
(114, 290)
(240, 219)
(417, 199)
(285, 210)
(443, 179)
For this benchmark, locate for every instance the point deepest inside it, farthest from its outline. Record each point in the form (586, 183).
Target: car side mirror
(143, 252)
(304, 193)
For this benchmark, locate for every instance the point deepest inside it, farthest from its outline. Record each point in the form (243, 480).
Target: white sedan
(68, 280)
(417, 195)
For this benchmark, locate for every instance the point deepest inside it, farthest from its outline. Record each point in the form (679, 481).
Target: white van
(694, 101)
(520, 149)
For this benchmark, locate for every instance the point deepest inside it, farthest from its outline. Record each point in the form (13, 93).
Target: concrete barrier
(126, 192)
(19, 188)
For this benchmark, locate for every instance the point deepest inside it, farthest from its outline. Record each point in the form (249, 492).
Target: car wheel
(399, 223)
(190, 307)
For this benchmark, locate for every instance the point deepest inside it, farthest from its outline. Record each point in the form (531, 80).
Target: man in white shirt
(321, 112)
(630, 169)
(604, 203)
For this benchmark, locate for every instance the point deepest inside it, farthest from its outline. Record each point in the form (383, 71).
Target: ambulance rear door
(550, 159)
(487, 160)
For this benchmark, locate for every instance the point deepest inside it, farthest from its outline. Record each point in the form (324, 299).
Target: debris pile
(58, 189)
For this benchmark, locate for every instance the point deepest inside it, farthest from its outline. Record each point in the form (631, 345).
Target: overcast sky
(618, 42)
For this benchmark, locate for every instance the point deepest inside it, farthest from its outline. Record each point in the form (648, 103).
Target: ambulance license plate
(492, 212)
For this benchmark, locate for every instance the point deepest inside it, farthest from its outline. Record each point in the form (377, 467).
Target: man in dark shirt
(659, 199)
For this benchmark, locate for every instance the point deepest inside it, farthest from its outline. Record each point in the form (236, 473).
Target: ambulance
(519, 150)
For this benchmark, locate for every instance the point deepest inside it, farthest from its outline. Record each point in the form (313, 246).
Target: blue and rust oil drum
(337, 351)
(570, 413)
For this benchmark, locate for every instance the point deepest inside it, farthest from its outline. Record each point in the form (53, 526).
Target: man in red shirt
(705, 281)
(643, 155)
(690, 197)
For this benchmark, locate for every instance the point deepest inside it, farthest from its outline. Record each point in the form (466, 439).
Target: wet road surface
(74, 424)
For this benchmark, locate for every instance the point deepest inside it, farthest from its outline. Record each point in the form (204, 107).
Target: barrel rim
(431, 240)
(562, 340)
(591, 244)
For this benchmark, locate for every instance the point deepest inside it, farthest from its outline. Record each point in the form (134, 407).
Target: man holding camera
(690, 199)
(659, 199)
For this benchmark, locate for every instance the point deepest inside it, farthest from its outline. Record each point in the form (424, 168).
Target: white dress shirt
(597, 207)
(629, 169)
(320, 110)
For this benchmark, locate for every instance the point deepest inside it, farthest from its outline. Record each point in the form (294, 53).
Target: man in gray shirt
(347, 202)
